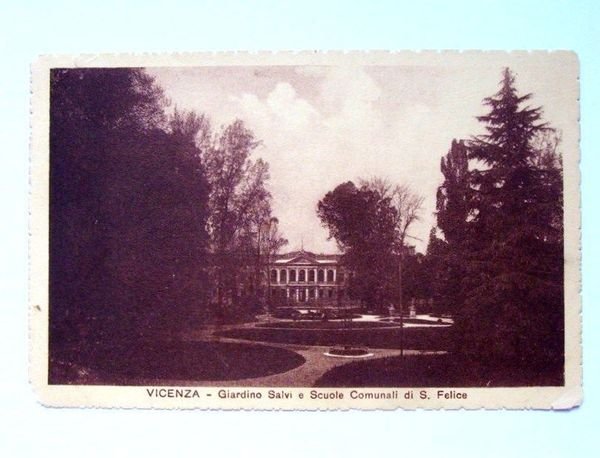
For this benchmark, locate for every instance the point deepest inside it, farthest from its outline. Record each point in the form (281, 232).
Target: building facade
(305, 277)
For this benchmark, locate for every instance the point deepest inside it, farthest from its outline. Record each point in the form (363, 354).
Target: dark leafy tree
(442, 284)
(446, 257)
(128, 210)
(453, 196)
(239, 205)
(364, 226)
(407, 206)
(416, 277)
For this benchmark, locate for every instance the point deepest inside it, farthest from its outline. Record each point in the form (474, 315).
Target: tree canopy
(369, 224)
(240, 205)
(500, 210)
(128, 208)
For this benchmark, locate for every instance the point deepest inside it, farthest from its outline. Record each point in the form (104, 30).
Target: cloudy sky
(324, 125)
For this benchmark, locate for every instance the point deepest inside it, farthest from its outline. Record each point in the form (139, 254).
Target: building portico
(302, 276)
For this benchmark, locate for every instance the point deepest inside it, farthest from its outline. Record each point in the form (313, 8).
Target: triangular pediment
(301, 260)
(305, 258)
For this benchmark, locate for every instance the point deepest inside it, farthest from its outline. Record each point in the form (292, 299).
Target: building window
(330, 293)
(311, 276)
(292, 275)
(330, 276)
(283, 275)
(311, 293)
(302, 275)
(273, 276)
(321, 293)
(320, 276)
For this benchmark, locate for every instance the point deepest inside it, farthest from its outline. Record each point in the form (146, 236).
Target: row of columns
(297, 270)
(295, 293)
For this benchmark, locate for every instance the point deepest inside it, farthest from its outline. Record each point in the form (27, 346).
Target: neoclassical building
(302, 276)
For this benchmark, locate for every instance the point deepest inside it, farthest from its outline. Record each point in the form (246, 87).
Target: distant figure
(413, 311)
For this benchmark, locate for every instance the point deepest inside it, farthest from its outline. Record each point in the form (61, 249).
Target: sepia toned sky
(324, 125)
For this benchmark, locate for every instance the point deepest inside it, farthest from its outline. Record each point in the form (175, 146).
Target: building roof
(306, 257)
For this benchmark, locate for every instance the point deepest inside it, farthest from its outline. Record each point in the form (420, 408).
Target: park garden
(161, 231)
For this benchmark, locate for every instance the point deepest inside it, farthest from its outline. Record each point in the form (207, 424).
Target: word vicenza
(172, 393)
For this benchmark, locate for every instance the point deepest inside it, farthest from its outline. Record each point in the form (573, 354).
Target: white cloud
(311, 149)
(323, 125)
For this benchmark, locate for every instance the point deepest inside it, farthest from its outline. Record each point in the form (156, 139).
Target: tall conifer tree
(508, 235)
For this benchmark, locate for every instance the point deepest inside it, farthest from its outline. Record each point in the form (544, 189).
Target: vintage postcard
(310, 230)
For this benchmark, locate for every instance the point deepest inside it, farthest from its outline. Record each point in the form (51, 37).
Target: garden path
(317, 363)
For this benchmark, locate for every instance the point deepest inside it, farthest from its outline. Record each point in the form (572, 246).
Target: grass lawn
(438, 371)
(136, 363)
(315, 324)
(431, 338)
(414, 321)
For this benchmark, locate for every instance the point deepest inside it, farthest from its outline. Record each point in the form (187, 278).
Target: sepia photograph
(301, 228)
(355, 226)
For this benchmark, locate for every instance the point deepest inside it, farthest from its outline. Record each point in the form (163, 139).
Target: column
(287, 293)
(306, 275)
(297, 275)
(316, 277)
(278, 276)
(334, 274)
(306, 295)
